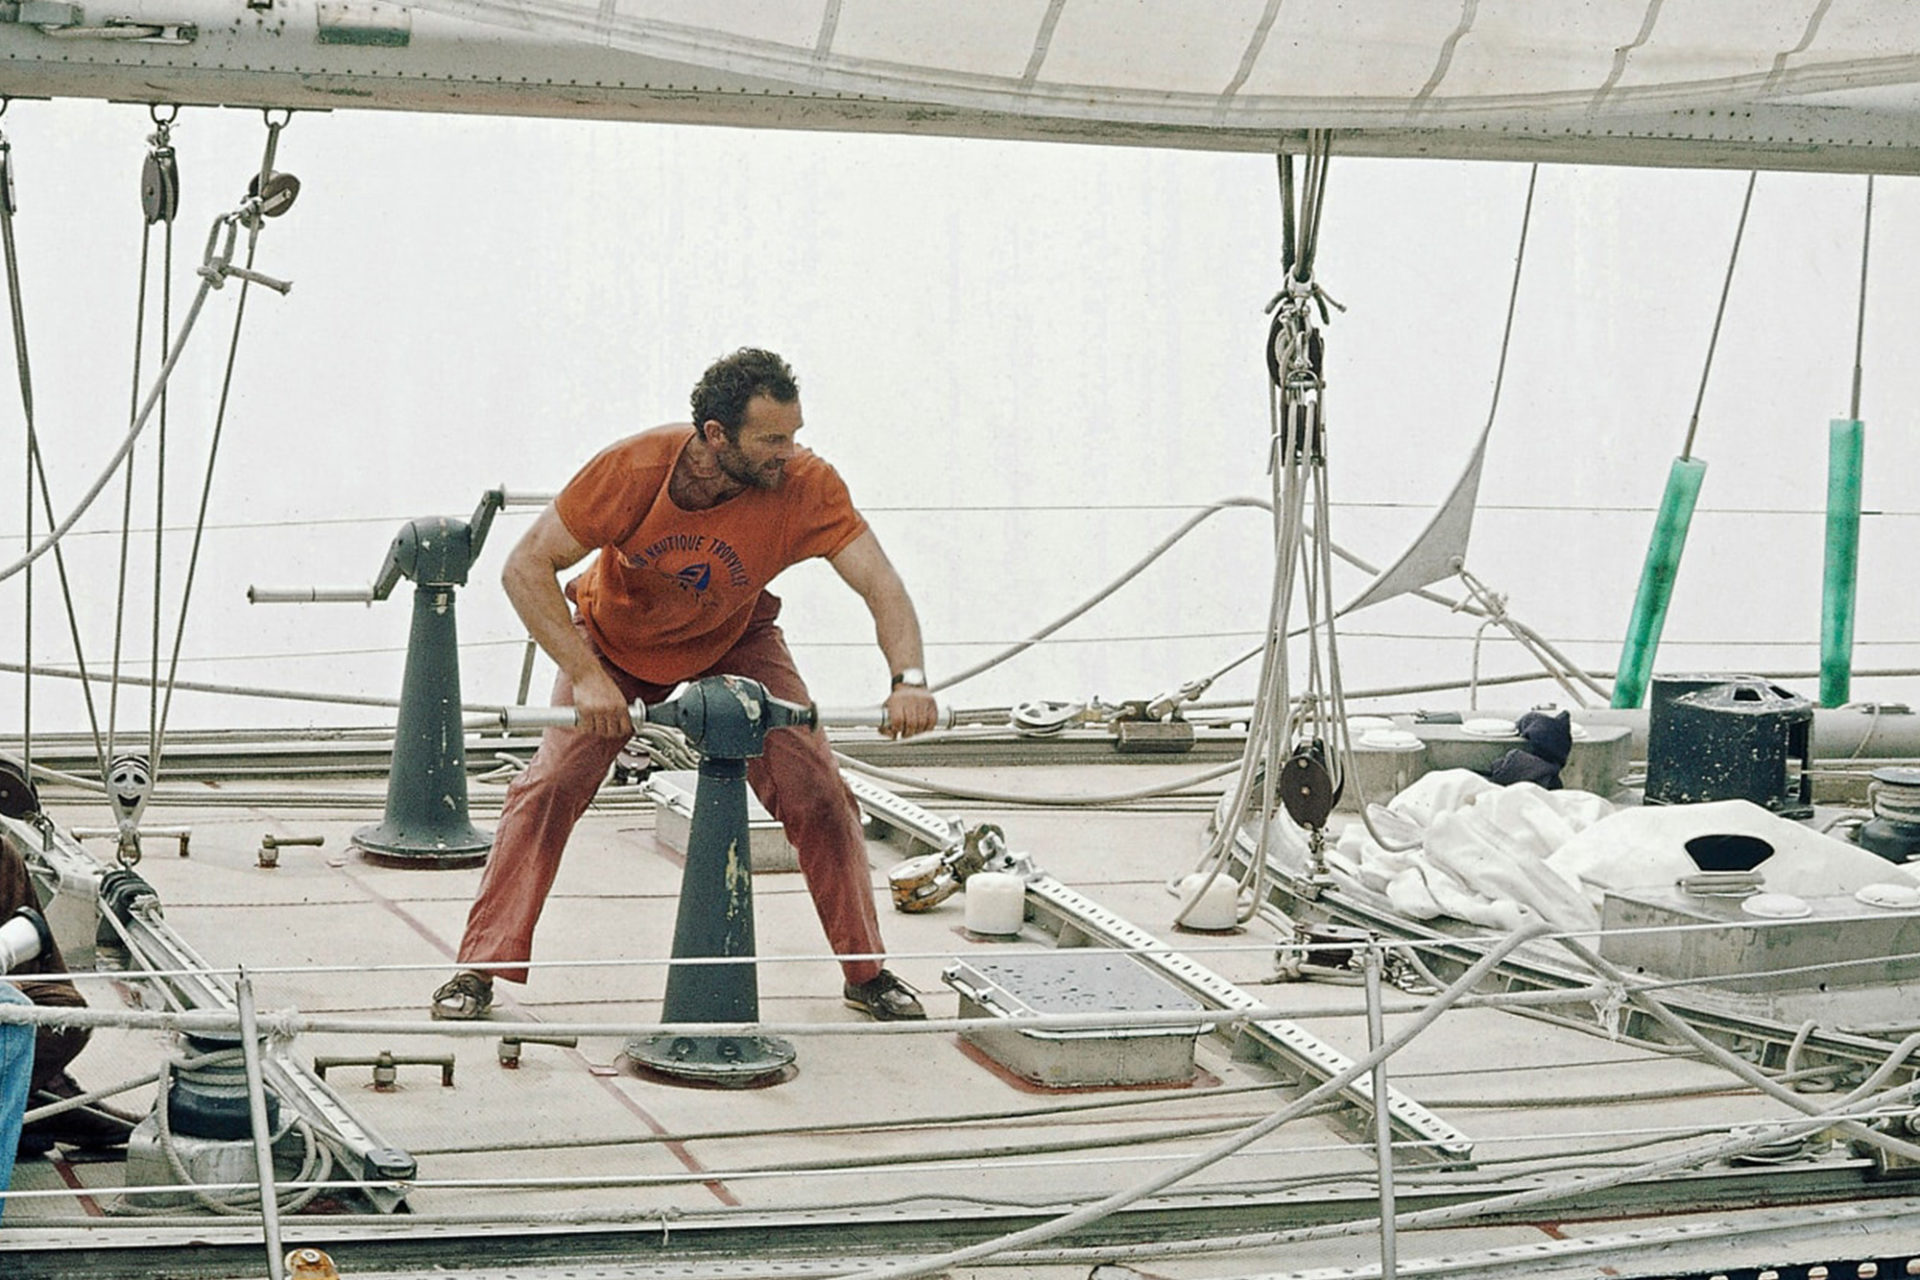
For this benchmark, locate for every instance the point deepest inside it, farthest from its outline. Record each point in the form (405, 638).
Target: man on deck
(692, 522)
(97, 1126)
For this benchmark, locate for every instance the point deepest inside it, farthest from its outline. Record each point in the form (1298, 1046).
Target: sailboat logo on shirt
(696, 575)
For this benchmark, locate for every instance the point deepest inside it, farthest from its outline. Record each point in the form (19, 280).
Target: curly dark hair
(722, 393)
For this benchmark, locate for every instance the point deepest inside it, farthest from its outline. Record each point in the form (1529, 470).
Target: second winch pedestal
(728, 718)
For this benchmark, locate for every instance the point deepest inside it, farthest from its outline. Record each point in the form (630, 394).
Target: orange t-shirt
(672, 590)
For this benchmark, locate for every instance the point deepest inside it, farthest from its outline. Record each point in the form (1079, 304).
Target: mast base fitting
(731, 1062)
(393, 845)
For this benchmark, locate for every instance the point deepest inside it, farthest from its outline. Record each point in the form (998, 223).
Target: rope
(1129, 574)
(315, 1165)
(1685, 1032)
(1726, 286)
(1061, 801)
(1495, 605)
(1296, 465)
(1119, 1200)
(1295, 416)
(212, 275)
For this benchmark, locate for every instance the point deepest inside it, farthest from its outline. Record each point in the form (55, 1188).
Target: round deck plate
(1776, 906)
(1894, 897)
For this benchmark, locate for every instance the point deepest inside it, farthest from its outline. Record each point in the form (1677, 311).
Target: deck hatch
(1075, 982)
(673, 791)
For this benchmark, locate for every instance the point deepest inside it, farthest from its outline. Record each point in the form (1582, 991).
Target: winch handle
(876, 717)
(311, 595)
(511, 718)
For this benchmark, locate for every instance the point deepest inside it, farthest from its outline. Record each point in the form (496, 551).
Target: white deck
(885, 1144)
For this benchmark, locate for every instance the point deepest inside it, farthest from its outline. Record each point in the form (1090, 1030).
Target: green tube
(1656, 580)
(1845, 439)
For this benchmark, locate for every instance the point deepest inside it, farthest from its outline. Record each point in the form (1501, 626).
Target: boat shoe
(93, 1127)
(885, 998)
(467, 997)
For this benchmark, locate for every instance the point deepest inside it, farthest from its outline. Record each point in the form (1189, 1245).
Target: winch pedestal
(426, 816)
(727, 717)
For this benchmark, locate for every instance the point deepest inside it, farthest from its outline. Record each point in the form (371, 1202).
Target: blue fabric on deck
(16, 1071)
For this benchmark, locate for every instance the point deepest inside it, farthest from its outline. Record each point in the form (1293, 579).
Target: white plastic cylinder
(1219, 904)
(996, 902)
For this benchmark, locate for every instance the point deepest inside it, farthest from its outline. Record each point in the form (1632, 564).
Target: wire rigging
(1860, 322)
(160, 201)
(36, 471)
(1713, 340)
(253, 215)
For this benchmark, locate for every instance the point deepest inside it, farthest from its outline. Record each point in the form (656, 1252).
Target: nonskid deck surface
(879, 1139)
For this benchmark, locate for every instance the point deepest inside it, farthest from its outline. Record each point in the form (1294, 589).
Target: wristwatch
(912, 675)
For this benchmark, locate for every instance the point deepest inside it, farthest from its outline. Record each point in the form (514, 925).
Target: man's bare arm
(863, 566)
(531, 578)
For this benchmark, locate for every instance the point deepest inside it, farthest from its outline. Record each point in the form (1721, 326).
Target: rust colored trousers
(796, 779)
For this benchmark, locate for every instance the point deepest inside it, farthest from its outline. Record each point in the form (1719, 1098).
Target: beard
(735, 466)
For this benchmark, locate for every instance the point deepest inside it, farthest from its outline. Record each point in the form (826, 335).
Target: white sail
(1830, 86)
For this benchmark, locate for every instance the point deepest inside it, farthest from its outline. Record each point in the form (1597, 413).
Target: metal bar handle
(512, 718)
(875, 717)
(311, 595)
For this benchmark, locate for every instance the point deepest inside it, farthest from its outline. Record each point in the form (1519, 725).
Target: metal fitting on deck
(386, 1066)
(271, 845)
(510, 1047)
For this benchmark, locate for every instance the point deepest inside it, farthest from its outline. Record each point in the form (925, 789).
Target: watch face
(913, 676)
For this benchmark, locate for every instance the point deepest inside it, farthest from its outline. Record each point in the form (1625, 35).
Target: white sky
(1074, 332)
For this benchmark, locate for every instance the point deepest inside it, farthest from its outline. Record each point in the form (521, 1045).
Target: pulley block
(1042, 719)
(1296, 349)
(921, 884)
(129, 784)
(18, 796)
(276, 195)
(1307, 788)
(160, 186)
